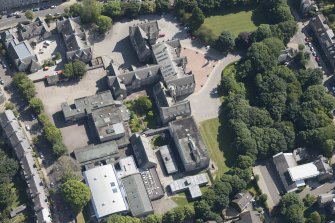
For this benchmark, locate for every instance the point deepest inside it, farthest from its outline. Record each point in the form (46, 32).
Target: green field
(235, 22)
(209, 132)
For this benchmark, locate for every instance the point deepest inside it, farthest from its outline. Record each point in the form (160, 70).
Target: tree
(295, 214)
(29, 15)
(237, 184)
(122, 219)
(197, 19)
(225, 42)
(309, 77)
(169, 216)
(112, 9)
(59, 148)
(244, 162)
(8, 195)
(76, 9)
(314, 217)
(243, 41)
(37, 105)
(143, 104)
(68, 70)
(309, 200)
(148, 7)
(153, 218)
(25, 86)
(262, 32)
(289, 200)
(8, 167)
(203, 212)
(189, 212)
(104, 23)
(162, 5)
(48, 19)
(76, 193)
(131, 9)
(90, 12)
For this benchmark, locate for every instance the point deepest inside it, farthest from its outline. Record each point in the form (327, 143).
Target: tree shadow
(258, 17)
(224, 139)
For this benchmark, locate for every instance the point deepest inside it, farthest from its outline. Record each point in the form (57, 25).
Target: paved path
(204, 104)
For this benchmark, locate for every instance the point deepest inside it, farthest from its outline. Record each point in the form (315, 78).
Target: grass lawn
(242, 21)
(80, 218)
(209, 132)
(181, 199)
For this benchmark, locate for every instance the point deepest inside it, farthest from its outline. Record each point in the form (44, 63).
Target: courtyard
(77, 135)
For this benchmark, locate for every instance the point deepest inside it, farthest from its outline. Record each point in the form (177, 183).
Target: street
(12, 21)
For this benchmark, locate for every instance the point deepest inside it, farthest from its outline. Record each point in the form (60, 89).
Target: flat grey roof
(189, 139)
(137, 196)
(94, 153)
(168, 159)
(190, 183)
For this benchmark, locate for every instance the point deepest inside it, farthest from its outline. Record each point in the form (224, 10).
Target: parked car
(2, 82)
(314, 53)
(307, 39)
(18, 16)
(53, 6)
(42, 156)
(33, 116)
(57, 14)
(27, 127)
(317, 59)
(35, 9)
(4, 66)
(161, 35)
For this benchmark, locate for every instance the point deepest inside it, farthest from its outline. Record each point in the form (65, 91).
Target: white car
(53, 6)
(27, 127)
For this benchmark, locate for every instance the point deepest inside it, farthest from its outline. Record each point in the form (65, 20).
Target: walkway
(205, 104)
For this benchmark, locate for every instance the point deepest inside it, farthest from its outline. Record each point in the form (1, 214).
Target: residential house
(325, 36)
(21, 53)
(75, 39)
(249, 217)
(242, 200)
(37, 29)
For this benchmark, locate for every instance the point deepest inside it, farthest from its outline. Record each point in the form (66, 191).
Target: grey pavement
(267, 185)
(204, 104)
(322, 189)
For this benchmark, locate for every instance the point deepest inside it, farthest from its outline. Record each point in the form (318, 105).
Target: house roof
(139, 202)
(249, 217)
(107, 195)
(190, 183)
(94, 153)
(168, 159)
(304, 171)
(242, 199)
(143, 151)
(282, 162)
(127, 166)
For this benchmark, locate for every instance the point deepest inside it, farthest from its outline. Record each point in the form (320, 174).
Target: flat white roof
(107, 194)
(304, 171)
(128, 167)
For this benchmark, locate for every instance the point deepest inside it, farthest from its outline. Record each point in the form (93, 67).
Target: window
(114, 190)
(113, 184)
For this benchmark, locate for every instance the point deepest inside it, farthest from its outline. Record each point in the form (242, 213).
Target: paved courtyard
(200, 65)
(52, 96)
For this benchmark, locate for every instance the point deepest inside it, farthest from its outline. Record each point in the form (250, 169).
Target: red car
(317, 59)
(161, 35)
(307, 39)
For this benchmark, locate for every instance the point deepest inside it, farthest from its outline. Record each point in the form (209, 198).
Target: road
(204, 104)
(12, 21)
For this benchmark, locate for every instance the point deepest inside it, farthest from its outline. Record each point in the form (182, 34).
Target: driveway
(267, 183)
(204, 104)
(323, 189)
